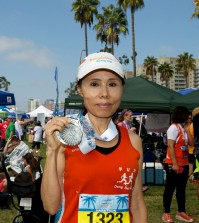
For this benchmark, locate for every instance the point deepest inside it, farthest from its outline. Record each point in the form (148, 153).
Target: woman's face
(128, 116)
(102, 92)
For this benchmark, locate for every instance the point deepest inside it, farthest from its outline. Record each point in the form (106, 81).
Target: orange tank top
(180, 149)
(97, 178)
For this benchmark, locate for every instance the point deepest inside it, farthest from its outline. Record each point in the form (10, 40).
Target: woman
(125, 119)
(92, 183)
(177, 164)
(194, 130)
(30, 165)
(38, 135)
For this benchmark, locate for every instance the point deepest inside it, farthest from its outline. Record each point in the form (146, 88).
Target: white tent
(41, 110)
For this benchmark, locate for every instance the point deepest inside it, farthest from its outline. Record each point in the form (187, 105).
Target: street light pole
(81, 56)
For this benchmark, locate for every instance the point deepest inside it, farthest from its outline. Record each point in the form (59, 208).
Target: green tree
(124, 60)
(196, 12)
(133, 5)
(110, 25)
(166, 72)
(4, 83)
(71, 91)
(151, 63)
(85, 10)
(185, 64)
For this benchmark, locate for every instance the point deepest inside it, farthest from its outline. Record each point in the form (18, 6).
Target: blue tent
(186, 91)
(7, 98)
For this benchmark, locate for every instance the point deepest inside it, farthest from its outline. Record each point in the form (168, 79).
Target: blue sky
(36, 36)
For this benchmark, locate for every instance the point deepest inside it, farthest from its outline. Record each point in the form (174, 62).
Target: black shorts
(191, 158)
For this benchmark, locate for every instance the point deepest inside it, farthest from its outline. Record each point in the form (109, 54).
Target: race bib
(103, 208)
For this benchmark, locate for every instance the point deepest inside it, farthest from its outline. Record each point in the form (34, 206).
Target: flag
(56, 111)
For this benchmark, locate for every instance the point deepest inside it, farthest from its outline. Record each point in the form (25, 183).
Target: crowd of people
(17, 154)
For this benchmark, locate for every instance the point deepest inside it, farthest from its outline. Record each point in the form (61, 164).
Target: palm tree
(166, 72)
(4, 83)
(185, 63)
(110, 25)
(84, 13)
(196, 13)
(133, 5)
(124, 60)
(150, 63)
(71, 91)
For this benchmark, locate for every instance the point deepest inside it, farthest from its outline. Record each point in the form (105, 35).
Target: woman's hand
(56, 124)
(175, 168)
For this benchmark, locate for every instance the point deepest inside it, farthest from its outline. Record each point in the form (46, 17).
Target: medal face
(70, 136)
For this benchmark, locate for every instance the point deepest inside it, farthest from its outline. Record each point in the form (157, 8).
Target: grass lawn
(153, 198)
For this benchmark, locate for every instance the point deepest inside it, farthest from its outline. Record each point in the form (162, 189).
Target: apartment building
(33, 104)
(177, 81)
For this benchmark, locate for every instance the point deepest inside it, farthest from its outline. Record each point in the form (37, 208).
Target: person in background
(125, 119)
(3, 182)
(19, 125)
(38, 136)
(3, 127)
(109, 157)
(177, 164)
(10, 131)
(149, 156)
(14, 150)
(30, 165)
(191, 148)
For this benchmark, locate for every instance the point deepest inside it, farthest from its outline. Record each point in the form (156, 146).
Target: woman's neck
(100, 125)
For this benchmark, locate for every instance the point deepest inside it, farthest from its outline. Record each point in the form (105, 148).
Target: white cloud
(7, 43)
(166, 49)
(25, 50)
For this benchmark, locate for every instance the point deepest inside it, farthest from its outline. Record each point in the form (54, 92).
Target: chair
(27, 191)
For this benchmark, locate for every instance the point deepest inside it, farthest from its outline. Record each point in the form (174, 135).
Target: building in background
(177, 82)
(33, 104)
(50, 104)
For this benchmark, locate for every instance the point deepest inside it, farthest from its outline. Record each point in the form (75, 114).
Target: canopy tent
(146, 96)
(6, 98)
(186, 91)
(140, 95)
(190, 100)
(8, 111)
(41, 110)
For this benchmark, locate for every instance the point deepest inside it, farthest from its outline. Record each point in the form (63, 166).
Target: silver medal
(71, 136)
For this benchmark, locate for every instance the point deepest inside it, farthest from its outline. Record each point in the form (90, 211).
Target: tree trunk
(86, 39)
(187, 80)
(133, 43)
(112, 44)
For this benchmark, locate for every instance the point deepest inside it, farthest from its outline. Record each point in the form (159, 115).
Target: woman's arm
(171, 144)
(8, 147)
(139, 209)
(28, 169)
(52, 181)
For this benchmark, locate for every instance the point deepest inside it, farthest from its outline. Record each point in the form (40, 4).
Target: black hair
(196, 126)
(23, 177)
(38, 123)
(180, 115)
(34, 166)
(15, 138)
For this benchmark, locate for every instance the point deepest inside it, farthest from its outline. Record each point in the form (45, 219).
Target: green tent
(190, 100)
(146, 96)
(139, 95)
